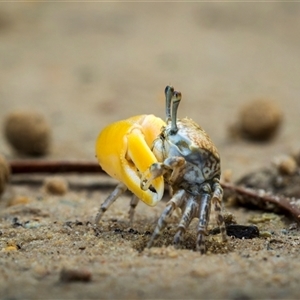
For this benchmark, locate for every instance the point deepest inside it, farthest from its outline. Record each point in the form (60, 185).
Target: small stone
(11, 245)
(4, 174)
(40, 271)
(286, 165)
(293, 226)
(19, 200)
(260, 119)
(71, 275)
(27, 132)
(32, 224)
(265, 234)
(56, 185)
(199, 273)
(242, 231)
(10, 248)
(227, 175)
(296, 155)
(173, 254)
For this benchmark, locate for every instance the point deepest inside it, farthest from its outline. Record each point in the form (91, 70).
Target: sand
(85, 65)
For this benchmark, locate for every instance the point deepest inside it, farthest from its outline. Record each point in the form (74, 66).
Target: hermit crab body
(144, 152)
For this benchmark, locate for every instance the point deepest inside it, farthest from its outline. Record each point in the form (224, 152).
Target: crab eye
(177, 95)
(168, 89)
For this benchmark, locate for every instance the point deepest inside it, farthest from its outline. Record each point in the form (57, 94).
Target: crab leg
(154, 171)
(175, 202)
(216, 199)
(189, 213)
(204, 211)
(175, 165)
(133, 203)
(117, 192)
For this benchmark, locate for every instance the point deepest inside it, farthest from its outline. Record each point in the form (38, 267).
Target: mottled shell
(197, 136)
(193, 144)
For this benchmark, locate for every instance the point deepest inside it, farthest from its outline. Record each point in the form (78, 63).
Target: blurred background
(85, 65)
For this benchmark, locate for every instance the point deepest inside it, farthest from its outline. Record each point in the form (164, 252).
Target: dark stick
(63, 166)
(54, 166)
(286, 204)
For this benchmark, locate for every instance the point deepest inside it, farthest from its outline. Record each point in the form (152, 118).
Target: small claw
(154, 171)
(145, 180)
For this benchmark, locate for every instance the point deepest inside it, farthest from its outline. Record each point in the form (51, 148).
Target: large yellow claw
(124, 152)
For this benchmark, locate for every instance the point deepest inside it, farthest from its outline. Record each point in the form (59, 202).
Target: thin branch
(290, 205)
(54, 166)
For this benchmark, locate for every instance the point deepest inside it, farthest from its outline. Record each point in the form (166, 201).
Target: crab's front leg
(117, 192)
(172, 169)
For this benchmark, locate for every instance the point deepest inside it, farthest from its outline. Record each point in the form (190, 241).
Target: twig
(54, 166)
(63, 166)
(287, 204)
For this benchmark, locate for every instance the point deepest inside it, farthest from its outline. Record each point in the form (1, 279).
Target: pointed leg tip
(224, 239)
(202, 251)
(96, 221)
(149, 244)
(201, 248)
(178, 238)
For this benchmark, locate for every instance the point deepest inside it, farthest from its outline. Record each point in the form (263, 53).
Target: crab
(143, 153)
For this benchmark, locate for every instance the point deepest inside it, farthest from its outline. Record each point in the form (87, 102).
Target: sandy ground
(85, 65)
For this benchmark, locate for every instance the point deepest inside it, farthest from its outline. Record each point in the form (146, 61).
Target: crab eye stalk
(175, 103)
(169, 91)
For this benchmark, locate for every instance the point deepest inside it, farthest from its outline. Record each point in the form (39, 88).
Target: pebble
(265, 234)
(27, 132)
(71, 275)
(260, 119)
(19, 200)
(286, 165)
(10, 248)
(56, 185)
(296, 156)
(4, 174)
(11, 245)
